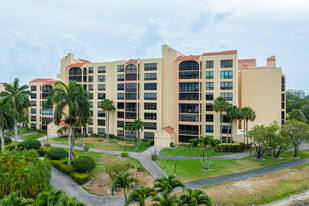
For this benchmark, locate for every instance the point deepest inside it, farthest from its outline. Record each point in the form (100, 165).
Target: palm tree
(220, 105)
(6, 118)
(247, 114)
(251, 117)
(107, 106)
(165, 199)
(56, 197)
(168, 184)
(194, 198)
(124, 182)
(140, 195)
(137, 126)
(19, 98)
(232, 113)
(74, 98)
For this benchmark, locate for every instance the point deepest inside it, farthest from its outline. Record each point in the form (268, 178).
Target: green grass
(187, 151)
(191, 170)
(32, 136)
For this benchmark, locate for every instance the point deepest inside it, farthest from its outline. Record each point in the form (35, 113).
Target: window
(120, 133)
(90, 70)
(130, 96)
(188, 96)
(75, 74)
(130, 134)
(131, 107)
(120, 105)
(189, 129)
(186, 138)
(189, 87)
(209, 75)
(188, 108)
(148, 135)
(120, 77)
(152, 116)
(131, 77)
(120, 68)
(282, 98)
(101, 69)
(90, 78)
(150, 86)
(209, 107)
(101, 131)
(225, 119)
(131, 68)
(90, 87)
(120, 124)
(189, 75)
(101, 95)
(91, 104)
(33, 103)
(282, 105)
(120, 96)
(120, 114)
(210, 64)
(33, 110)
(130, 115)
(282, 115)
(188, 118)
(90, 122)
(47, 111)
(151, 126)
(188, 65)
(150, 96)
(226, 130)
(226, 85)
(209, 96)
(150, 67)
(131, 87)
(227, 96)
(33, 126)
(101, 113)
(226, 74)
(150, 106)
(101, 122)
(33, 96)
(209, 117)
(33, 88)
(120, 87)
(150, 76)
(101, 78)
(101, 87)
(209, 128)
(227, 63)
(209, 86)
(90, 130)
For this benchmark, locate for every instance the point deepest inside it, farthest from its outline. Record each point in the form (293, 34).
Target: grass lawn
(187, 151)
(101, 144)
(261, 189)
(33, 136)
(191, 170)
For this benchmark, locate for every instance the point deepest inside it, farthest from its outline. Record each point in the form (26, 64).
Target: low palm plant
(56, 197)
(137, 126)
(124, 182)
(107, 106)
(140, 195)
(165, 199)
(168, 184)
(194, 198)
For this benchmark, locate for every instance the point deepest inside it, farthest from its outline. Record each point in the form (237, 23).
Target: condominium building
(173, 95)
(299, 93)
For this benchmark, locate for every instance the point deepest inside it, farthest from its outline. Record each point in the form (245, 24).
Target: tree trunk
(125, 194)
(228, 130)
(244, 131)
(69, 135)
(296, 151)
(247, 132)
(2, 139)
(107, 124)
(16, 129)
(221, 126)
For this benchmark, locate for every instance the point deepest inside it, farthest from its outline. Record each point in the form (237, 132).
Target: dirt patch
(106, 158)
(102, 183)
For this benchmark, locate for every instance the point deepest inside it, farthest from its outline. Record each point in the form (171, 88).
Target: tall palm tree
(247, 114)
(165, 199)
(107, 106)
(7, 114)
(74, 98)
(251, 117)
(140, 195)
(194, 198)
(232, 113)
(124, 182)
(137, 126)
(168, 184)
(19, 98)
(220, 105)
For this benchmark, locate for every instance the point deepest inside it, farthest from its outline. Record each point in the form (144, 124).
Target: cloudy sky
(36, 34)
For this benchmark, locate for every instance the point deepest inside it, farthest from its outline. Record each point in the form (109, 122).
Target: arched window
(188, 65)
(75, 74)
(45, 90)
(189, 70)
(131, 68)
(131, 72)
(85, 71)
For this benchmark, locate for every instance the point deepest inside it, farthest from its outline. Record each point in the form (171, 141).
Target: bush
(154, 157)
(230, 148)
(116, 137)
(80, 178)
(41, 131)
(86, 148)
(141, 169)
(63, 167)
(184, 144)
(57, 154)
(172, 144)
(7, 141)
(10, 147)
(150, 142)
(124, 154)
(84, 164)
(30, 144)
(43, 151)
(47, 144)
(114, 169)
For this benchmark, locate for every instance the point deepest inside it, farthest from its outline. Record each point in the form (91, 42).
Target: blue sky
(36, 34)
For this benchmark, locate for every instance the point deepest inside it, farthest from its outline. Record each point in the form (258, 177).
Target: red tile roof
(220, 53)
(168, 129)
(51, 82)
(271, 59)
(196, 57)
(246, 60)
(131, 61)
(62, 123)
(84, 60)
(76, 65)
(40, 80)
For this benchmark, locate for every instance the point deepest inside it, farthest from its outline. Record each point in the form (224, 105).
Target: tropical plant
(165, 199)
(137, 126)
(208, 144)
(107, 106)
(233, 113)
(298, 132)
(124, 182)
(14, 200)
(6, 118)
(140, 195)
(247, 114)
(19, 98)
(298, 115)
(194, 198)
(168, 184)
(76, 99)
(258, 136)
(220, 105)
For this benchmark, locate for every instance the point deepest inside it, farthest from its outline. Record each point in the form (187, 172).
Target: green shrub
(41, 131)
(230, 148)
(172, 144)
(43, 151)
(10, 147)
(57, 154)
(86, 148)
(184, 144)
(114, 169)
(124, 154)
(7, 140)
(150, 143)
(80, 178)
(30, 144)
(141, 169)
(116, 137)
(154, 157)
(84, 164)
(62, 166)
(47, 144)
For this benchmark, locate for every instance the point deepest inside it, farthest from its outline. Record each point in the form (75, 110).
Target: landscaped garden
(188, 151)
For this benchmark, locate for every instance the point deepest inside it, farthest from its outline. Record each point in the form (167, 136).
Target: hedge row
(223, 148)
